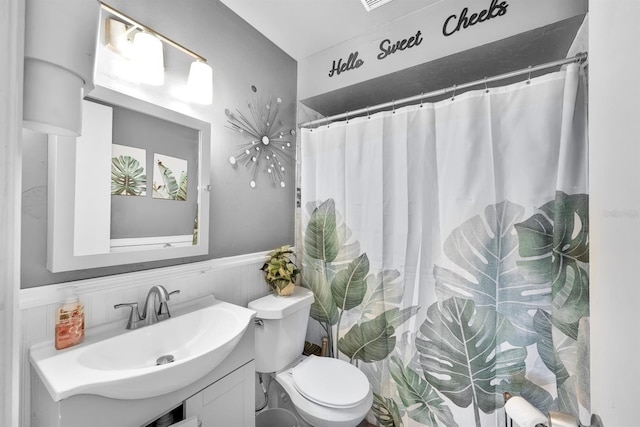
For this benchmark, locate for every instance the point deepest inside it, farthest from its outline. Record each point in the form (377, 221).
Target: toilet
(326, 392)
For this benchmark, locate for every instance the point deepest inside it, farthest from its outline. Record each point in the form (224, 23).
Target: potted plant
(280, 272)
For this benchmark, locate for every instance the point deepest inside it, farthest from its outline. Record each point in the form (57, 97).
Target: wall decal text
(456, 23)
(387, 48)
(451, 25)
(352, 63)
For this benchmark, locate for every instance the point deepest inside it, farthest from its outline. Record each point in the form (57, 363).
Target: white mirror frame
(62, 212)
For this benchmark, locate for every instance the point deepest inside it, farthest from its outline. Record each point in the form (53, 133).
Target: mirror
(133, 188)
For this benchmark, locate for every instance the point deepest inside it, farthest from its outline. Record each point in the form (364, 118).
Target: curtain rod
(579, 58)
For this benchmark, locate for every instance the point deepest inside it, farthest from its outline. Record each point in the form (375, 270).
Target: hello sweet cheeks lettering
(452, 24)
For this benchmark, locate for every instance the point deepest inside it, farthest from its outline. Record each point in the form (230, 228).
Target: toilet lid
(330, 382)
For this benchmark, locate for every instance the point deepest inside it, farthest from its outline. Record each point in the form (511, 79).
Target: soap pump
(69, 321)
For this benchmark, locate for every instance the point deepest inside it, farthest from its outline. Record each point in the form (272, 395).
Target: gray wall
(242, 220)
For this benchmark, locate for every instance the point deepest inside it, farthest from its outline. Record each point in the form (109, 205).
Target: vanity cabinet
(223, 397)
(228, 402)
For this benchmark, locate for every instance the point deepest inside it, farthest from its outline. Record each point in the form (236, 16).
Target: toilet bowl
(326, 392)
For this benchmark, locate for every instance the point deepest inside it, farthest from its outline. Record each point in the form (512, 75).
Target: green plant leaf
(583, 365)
(321, 240)
(383, 290)
(571, 219)
(546, 349)
(127, 177)
(182, 187)
(457, 346)
(369, 341)
(323, 308)
(280, 270)
(161, 193)
(348, 249)
(379, 299)
(169, 180)
(486, 249)
(555, 246)
(386, 411)
(567, 400)
(396, 317)
(422, 401)
(571, 300)
(349, 284)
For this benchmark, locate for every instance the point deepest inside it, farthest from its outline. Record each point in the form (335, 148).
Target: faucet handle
(174, 292)
(134, 315)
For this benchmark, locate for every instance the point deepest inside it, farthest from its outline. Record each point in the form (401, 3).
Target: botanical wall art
(169, 177)
(128, 171)
(269, 143)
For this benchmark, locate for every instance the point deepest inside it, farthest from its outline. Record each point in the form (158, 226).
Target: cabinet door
(227, 402)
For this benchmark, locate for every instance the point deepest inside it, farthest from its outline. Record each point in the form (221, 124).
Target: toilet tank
(280, 339)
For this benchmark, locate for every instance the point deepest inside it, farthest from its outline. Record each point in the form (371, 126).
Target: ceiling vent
(372, 4)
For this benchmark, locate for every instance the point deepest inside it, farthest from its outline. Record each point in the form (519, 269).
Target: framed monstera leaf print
(128, 171)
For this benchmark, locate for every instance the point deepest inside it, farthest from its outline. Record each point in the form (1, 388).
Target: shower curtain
(447, 248)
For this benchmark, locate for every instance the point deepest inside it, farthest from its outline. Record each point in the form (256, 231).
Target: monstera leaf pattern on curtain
(341, 281)
(515, 289)
(554, 245)
(529, 293)
(487, 249)
(458, 353)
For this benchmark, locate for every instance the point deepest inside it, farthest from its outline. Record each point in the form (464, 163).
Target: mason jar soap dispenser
(69, 322)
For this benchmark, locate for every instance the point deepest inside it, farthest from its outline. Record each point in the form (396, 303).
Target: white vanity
(112, 379)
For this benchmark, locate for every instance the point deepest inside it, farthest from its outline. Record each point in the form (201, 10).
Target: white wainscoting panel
(236, 280)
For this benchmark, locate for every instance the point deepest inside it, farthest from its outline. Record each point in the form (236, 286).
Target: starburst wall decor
(270, 145)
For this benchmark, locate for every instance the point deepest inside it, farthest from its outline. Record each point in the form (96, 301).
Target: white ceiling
(304, 27)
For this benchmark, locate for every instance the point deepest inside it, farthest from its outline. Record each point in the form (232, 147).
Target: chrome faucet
(155, 313)
(151, 313)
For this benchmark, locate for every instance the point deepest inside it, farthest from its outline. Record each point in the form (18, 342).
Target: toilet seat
(330, 382)
(317, 414)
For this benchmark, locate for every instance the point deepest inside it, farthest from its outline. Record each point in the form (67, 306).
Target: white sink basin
(125, 366)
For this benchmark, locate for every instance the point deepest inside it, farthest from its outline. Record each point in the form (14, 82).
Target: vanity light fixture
(146, 51)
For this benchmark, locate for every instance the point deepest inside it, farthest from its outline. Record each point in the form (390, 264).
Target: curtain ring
(529, 78)
(486, 88)
(347, 117)
(393, 106)
(454, 93)
(368, 114)
(421, 96)
(327, 121)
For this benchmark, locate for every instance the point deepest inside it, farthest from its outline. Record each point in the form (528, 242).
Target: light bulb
(149, 58)
(200, 83)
